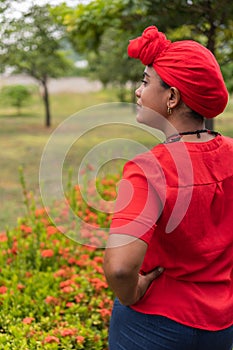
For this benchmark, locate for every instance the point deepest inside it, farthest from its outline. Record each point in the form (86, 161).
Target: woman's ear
(174, 97)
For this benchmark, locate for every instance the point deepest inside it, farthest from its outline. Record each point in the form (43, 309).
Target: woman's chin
(139, 118)
(142, 118)
(151, 118)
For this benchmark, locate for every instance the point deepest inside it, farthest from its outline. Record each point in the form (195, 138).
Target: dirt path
(67, 84)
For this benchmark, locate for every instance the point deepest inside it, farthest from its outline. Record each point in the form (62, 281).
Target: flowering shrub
(53, 293)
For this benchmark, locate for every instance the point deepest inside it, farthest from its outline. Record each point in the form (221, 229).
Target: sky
(23, 5)
(26, 3)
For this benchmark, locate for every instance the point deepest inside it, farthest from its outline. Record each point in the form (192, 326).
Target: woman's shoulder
(151, 155)
(149, 163)
(227, 140)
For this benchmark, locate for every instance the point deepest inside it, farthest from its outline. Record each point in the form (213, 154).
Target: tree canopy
(101, 29)
(207, 21)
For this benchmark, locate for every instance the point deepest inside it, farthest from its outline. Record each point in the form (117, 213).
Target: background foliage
(53, 293)
(104, 28)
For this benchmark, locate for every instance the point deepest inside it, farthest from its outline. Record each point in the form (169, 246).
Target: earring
(169, 111)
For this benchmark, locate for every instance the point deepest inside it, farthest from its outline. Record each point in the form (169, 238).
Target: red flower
(28, 320)
(69, 304)
(40, 212)
(28, 274)
(51, 230)
(66, 283)
(55, 242)
(98, 284)
(47, 253)
(80, 262)
(68, 332)
(51, 339)
(98, 259)
(104, 312)
(51, 300)
(80, 339)
(106, 302)
(14, 248)
(79, 297)
(62, 273)
(20, 286)
(3, 237)
(44, 221)
(3, 290)
(71, 261)
(65, 272)
(67, 289)
(25, 228)
(84, 257)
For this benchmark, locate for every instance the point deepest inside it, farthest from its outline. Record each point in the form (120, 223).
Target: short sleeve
(138, 205)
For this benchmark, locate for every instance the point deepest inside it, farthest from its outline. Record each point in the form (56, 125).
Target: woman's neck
(176, 129)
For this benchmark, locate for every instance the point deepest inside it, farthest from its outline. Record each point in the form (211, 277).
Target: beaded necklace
(177, 137)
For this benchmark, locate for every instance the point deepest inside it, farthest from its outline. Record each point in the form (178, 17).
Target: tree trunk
(45, 96)
(18, 110)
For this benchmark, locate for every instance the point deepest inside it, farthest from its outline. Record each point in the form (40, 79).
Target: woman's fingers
(155, 273)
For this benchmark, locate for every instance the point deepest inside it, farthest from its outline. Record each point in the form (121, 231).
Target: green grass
(22, 140)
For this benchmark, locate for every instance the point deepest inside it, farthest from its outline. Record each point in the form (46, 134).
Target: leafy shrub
(15, 95)
(53, 293)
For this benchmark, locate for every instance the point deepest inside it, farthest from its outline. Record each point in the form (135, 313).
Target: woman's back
(198, 252)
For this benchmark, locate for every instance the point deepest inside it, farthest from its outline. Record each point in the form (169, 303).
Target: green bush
(16, 96)
(53, 293)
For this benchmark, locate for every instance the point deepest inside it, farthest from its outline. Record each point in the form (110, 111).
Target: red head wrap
(186, 65)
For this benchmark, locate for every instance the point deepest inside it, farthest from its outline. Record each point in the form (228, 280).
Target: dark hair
(164, 85)
(192, 113)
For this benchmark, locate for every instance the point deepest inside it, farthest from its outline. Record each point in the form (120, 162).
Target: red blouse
(178, 198)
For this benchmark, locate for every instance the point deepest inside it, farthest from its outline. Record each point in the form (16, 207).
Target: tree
(207, 21)
(32, 44)
(3, 5)
(96, 29)
(211, 23)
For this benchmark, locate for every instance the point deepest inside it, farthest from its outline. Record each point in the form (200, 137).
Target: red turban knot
(148, 46)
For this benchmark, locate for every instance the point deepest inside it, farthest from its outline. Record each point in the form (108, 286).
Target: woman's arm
(123, 258)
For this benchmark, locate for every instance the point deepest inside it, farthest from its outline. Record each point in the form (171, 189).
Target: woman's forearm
(122, 263)
(124, 285)
(130, 287)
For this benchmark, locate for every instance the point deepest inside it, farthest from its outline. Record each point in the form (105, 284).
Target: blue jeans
(131, 330)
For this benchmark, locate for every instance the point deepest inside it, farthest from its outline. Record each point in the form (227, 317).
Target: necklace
(177, 137)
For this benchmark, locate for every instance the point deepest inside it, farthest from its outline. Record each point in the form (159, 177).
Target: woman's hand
(144, 281)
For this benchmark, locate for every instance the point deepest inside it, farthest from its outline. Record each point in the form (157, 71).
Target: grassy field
(22, 140)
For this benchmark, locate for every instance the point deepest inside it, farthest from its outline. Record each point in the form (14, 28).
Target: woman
(169, 257)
